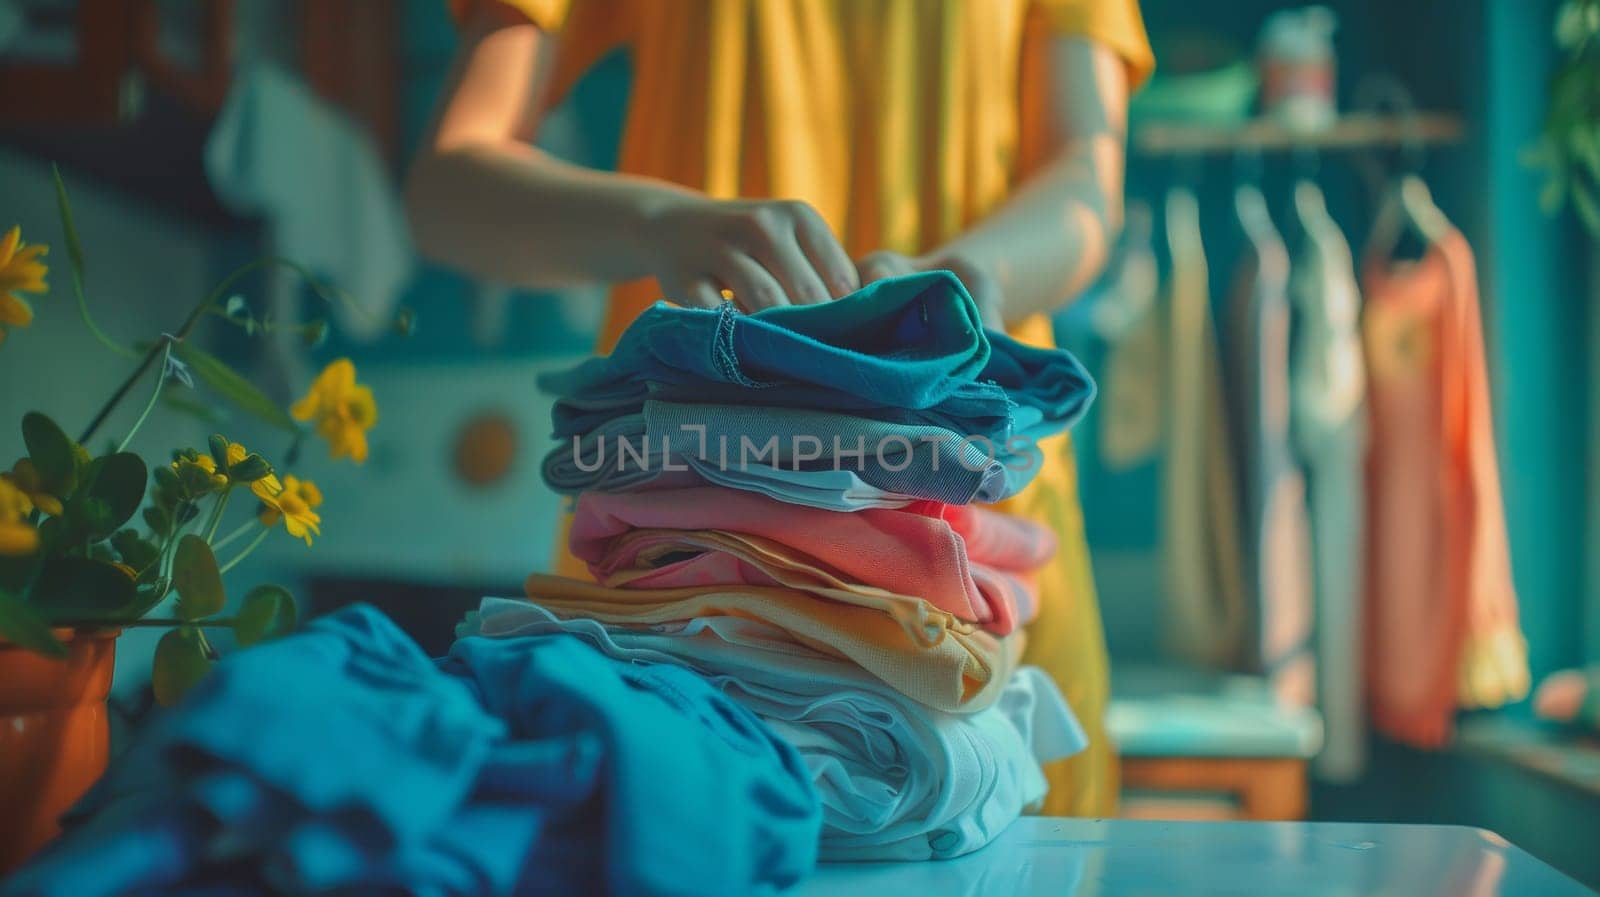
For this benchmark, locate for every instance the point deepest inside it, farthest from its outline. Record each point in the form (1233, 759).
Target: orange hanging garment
(1442, 629)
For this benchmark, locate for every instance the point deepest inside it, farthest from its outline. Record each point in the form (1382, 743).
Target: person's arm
(481, 199)
(1052, 237)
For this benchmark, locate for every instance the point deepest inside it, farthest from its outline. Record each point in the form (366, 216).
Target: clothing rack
(1354, 131)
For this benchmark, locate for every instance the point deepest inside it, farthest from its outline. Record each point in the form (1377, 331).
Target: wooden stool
(1203, 746)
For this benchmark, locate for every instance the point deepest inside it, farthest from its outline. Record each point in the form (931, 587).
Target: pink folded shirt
(1002, 541)
(969, 562)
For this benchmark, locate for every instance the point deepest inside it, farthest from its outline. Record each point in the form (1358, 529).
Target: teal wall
(1536, 300)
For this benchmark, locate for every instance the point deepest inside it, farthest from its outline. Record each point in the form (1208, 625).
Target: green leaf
(167, 478)
(74, 245)
(53, 453)
(252, 468)
(197, 579)
(218, 444)
(56, 535)
(159, 521)
(195, 482)
(232, 386)
(116, 483)
(22, 626)
(73, 590)
(85, 513)
(134, 551)
(1585, 144)
(1583, 199)
(75, 255)
(16, 571)
(180, 663)
(267, 613)
(1553, 194)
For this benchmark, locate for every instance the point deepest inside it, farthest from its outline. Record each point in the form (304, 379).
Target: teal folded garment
(342, 760)
(907, 350)
(687, 772)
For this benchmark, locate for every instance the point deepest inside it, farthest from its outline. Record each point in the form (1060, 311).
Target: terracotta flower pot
(55, 738)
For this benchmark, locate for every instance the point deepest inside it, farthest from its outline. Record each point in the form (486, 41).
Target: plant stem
(236, 535)
(122, 391)
(161, 380)
(75, 253)
(216, 513)
(83, 310)
(167, 556)
(260, 537)
(189, 323)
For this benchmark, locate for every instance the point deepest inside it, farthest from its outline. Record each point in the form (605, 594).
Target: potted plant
(93, 542)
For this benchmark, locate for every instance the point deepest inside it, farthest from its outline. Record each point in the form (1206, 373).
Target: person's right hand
(766, 252)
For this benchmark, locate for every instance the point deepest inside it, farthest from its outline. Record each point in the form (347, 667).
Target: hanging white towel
(280, 152)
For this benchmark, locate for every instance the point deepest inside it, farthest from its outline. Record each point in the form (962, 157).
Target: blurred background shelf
(1349, 132)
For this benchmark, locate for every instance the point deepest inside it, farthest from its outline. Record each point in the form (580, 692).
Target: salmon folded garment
(840, 584)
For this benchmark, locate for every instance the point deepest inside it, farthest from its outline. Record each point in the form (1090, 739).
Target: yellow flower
(205, 477)
(199, 474)
(294, 504)
(343, 409)
(17, 536)
(20, 272)
(264, 487)
(25, 477)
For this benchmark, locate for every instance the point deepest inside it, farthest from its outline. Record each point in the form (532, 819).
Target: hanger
(1421, 212)
(1249, 203)
(1406, 206)
(1311, 208)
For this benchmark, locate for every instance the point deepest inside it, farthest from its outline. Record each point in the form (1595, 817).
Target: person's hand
(979, 282)
(766, 252)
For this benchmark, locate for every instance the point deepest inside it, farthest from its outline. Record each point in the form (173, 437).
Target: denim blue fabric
(343, 760)
(898, 780)
(764, 449)
(908, 350)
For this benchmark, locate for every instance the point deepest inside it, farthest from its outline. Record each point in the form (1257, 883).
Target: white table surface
(1122, 858)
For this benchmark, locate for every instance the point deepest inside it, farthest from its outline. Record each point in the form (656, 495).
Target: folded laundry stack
(782, 502)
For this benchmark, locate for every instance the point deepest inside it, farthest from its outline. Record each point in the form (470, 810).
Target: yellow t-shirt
(902, 122)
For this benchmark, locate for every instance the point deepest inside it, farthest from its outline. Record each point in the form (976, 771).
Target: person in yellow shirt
(788, 151)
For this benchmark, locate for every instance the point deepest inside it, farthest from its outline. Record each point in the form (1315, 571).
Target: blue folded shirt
(908, 350)
(343, 760)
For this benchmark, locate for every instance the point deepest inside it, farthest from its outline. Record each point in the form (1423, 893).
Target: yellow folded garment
(644, 559)
(964, 672)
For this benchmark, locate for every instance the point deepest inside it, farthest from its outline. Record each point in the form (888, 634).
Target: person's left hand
(983, 286)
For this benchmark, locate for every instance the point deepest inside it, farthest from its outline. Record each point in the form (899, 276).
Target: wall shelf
(1264, 135)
